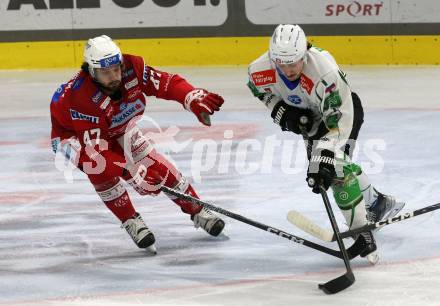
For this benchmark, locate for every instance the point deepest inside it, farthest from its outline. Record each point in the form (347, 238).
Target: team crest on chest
(294, 99)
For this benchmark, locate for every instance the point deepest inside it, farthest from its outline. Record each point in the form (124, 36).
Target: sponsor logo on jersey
(97, 96)
(77, 84)
(265, 77)
(294, 99)
(80, 116)
(306, 83)
(129, 112)
(58, 93)
(105, 103)
(131, 84)
(123, 106)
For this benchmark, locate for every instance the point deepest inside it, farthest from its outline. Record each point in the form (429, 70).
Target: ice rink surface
(59, 245)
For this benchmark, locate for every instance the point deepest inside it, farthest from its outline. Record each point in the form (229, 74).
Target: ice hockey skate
(140, 233)
(369, 243)
(384, 207)
(205, 219)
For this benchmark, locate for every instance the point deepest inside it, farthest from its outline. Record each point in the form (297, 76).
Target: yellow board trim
(348, 50)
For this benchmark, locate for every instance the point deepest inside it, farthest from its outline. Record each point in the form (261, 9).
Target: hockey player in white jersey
(306, 93)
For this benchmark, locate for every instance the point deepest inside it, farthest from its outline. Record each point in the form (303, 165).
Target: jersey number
(92, 135)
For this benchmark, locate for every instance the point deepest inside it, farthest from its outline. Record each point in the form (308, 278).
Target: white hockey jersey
(322, 87)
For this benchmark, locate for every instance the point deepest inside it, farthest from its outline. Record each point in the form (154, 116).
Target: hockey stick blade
(308, 226)
(338, 284)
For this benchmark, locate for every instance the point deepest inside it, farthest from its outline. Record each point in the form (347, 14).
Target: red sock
(121, 207)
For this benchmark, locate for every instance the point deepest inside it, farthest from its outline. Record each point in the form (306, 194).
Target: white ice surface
(59, 245)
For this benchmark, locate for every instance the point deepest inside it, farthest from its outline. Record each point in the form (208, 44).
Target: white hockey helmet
(288, 44)
(101, 52)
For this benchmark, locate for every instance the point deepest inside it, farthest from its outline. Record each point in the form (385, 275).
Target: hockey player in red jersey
(93, 125)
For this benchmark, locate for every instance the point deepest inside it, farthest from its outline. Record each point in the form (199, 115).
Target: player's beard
(113, 86)
(113, 89)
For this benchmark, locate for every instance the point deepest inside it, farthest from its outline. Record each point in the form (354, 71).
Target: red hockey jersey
(79, 109)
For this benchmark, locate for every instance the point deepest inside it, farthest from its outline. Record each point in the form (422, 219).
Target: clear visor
(106, 67)
(290, 70)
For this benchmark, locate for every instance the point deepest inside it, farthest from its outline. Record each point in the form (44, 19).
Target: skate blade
(152, 249)
(373, 258)
(223, 236)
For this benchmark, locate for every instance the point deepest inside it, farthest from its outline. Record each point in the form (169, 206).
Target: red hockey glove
(203, 104)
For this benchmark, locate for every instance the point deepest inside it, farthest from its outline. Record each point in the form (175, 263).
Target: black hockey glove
(289, 118)
(321, 170)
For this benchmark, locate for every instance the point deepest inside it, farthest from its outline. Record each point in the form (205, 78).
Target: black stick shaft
(372, 226)
(335, 229)
(250, 222)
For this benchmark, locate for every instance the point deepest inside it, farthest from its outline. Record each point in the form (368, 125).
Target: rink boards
(348, 50)
(37, 34)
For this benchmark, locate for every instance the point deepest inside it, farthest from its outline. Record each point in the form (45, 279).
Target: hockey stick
(315, 230)
(346, 280)
(353, 251)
